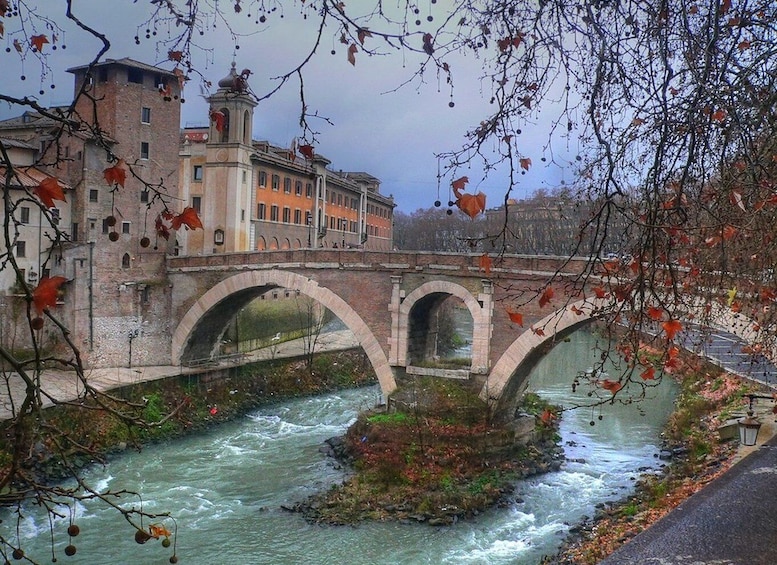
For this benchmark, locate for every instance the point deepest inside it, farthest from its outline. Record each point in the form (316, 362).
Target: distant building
(252, 195)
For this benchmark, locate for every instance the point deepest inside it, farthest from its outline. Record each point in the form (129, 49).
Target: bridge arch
(480, 311)
(195, 328)
(508, 378)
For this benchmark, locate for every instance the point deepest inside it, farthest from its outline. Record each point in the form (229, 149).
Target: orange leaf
(744, 45)
(612, 386)
(188, 218)
(525, 163)
(306, 150)
(157, 531)
(576, 310)
(458, 185)
(648, 374)
(38, 41)
(175, 55)
(515, 317)
(218, 117)
(352, 50)
(45, 294)
(116, 174)
(655, 313)
(17, 45)
(485, 263)
(472, 205)
(538, 331)
(671, 328)
(362, 34)
(49, 190)
(161, 229)
(546, 296)
(719, 115)
(547, 417)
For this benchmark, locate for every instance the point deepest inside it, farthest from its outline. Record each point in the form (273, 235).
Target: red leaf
(161, 229)
(655, 313)
(599, 292)
(515, 317)
(218, 117)
(546, 296)
(116, 174)
(612, 386)
(45, 295)
(48, 191)
(538, 331)
(719, 115)
(671, 328)
(547, 417)
(38, 41)
(648, 374)
(729, 231)
(576, 310)
(525, 163)
(17, 45)
(175, 55)
(306, 150)
(362, 34)
(485, 263)
(188, 218)
(427, 43)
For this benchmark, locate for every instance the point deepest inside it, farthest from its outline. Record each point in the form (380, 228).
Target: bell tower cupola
(232, 109)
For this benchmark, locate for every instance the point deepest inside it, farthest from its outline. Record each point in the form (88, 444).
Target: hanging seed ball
(113, 236)
(166, 542)
(70, 550)
(73, 530)
(451, 203)
(451, 104)
(110, 221)
(437, 203)
(141, 536)
(37, 323)
(144, 241)
(449, 211)
(18, 553)
(173, 559)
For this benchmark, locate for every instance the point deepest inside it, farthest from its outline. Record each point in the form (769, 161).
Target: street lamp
(749, 425)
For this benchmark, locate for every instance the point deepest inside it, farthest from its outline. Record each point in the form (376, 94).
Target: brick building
(252, 195)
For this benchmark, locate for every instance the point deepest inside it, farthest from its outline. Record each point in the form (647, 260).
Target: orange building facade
(252, 195)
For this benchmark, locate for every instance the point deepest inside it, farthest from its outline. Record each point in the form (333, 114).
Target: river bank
(695, 455)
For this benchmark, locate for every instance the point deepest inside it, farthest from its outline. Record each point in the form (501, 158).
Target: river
(225, 488)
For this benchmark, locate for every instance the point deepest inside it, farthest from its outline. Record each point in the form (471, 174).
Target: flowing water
(225, 488)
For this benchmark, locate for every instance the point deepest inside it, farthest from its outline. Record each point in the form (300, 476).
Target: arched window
(225, 129)
(274, 243)
(247, 127)
(125, 261)
(218, 237)
(261, 244)
(286, 244)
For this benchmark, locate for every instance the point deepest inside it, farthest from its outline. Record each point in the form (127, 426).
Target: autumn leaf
(525, 163)
(17, 45)
(744, 45)
(730, 296)
(175, 55)
(38, 41)
(729, 231)
(352, 50)
(538, 331)
(188, 218)
(218, 118)
(599, 292)
(546, 296)
(427, 44)
(725, 6)
(655, 313)
(485, 263)
(48, 191)
(648, 374)
(458, 185)
(612, 386)
(161, 229)
(306, 150)
(547, 417)
(116, 174)
(671, 327)
(3, 7)
(158, 531)
(472, 204)
(2, 30)
(576, 310)
(45, 294)
(719, 115)
(515, 317)
(362, 34)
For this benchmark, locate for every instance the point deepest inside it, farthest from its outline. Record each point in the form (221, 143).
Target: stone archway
(480, 308)
(245, 286)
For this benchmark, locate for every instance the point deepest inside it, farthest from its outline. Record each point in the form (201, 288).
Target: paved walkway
(65, 385)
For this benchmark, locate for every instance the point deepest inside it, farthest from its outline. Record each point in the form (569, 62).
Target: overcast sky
(389, 133)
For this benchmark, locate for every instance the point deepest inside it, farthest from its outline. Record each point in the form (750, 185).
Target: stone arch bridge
(388, 300)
